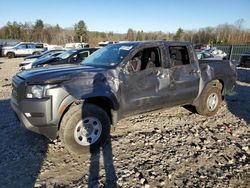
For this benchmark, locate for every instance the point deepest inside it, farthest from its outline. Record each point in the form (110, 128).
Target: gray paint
(129, 93)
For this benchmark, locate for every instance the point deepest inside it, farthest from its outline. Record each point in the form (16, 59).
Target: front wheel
(84, 128)
(209, 101)
(10, 55)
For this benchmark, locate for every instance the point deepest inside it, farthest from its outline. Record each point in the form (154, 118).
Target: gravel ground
(168, 148)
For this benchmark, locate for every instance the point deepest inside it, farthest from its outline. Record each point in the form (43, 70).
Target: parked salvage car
(216, 53)
(74, 56)
(22, 49)
(79, 103)
(245, 60)
(70, 46)
(105, 43)
(203, 55)
(27, 63)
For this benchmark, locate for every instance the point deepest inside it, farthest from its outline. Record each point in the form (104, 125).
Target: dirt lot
(170, 148)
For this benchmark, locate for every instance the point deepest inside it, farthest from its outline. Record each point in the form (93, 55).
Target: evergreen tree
(81, 31)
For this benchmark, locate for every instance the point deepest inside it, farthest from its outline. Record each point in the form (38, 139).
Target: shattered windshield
(108, 56)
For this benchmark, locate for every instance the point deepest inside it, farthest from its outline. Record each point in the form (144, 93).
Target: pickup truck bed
(217, 69)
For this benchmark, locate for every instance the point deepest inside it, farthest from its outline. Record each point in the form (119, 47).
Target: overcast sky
(119, 15)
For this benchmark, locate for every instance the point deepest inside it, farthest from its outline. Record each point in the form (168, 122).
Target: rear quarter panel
(224, 71)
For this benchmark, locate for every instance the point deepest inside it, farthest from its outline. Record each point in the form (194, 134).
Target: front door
(145, 87)
(21, 49)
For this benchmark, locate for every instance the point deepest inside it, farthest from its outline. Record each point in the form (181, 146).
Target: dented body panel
(120, 90)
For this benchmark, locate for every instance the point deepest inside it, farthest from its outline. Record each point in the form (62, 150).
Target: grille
(18, 90)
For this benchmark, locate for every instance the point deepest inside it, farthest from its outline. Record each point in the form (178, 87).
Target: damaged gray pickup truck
(79, 103)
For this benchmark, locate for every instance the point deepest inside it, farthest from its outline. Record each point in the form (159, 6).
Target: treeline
(40, 32)
(37, 32)
(222, 34)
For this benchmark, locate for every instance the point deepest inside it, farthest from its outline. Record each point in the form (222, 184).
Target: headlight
(38, 91)
(35, 91)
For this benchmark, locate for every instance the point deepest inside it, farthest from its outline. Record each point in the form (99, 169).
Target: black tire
(10, 55)
(72, 119)
(203, 108)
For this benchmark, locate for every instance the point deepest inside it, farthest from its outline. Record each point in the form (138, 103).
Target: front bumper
(40, 115)
(37, 121)
(4, 52)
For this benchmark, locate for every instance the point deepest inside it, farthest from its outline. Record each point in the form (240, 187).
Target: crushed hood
(58, 74)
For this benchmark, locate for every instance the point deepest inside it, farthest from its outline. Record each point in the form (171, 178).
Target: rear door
(30, 49)
(184, 74)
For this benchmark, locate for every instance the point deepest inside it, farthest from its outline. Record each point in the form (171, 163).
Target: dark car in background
(27, 63)
(74, 56)
(245, 60)
(48, 52)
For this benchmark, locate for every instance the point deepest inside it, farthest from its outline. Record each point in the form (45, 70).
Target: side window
(30, 46)
(38, 45)
(73, 59)
(145, 59)
(21, 46)
(179, 55)
(83, 55)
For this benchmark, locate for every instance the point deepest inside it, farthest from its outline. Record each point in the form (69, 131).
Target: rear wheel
(10, 55)
(210, 100)
(84, 128)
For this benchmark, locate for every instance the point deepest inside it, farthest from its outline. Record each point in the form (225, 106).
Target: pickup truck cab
(78, 103)
(22, 49)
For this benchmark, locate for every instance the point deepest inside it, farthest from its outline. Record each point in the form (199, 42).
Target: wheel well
(64, 112)
(10, 53)
(219, 84)
(104, 102)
